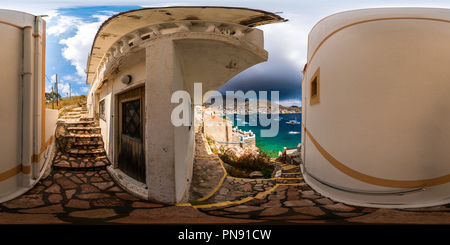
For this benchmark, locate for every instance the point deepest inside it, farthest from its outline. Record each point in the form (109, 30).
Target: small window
(131, 119)
(101, 109)
(315, 88)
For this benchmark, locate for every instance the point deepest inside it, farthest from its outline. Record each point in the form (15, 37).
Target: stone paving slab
(208, 172)
(67, 161)
(92, 197)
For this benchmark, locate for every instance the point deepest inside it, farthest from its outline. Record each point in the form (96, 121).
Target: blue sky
(71, 27)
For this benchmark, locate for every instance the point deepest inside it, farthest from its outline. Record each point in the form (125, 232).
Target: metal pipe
(37, 100)
(27, 104)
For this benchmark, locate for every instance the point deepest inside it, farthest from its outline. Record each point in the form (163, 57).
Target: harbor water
(289, 135)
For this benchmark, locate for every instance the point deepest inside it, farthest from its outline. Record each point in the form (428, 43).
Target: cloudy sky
(71, 27)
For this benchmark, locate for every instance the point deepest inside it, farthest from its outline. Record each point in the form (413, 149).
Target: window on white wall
(315, 88)
(101, 109)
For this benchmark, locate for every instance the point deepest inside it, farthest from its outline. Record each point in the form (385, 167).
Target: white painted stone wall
(384, 107)
(166, 57)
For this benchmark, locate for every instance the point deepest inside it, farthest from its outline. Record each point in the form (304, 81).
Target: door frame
(118, 127)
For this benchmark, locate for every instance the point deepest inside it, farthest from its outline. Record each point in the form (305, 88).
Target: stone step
(289, 180)
(70, 117)
(78, 109)
(65, 161)
(291, 175)
(77, 112)
(84, 137)
(85, 119)
(88, 152)
(83, 127)
(84, 130)
(81, 124)
(87, 146)
(84, 145)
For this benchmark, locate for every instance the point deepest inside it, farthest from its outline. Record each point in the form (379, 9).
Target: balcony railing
(134, 38)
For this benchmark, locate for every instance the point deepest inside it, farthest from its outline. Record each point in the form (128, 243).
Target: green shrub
(247, 164)
(267, 173)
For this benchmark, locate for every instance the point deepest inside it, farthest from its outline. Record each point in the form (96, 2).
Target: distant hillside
(260, 103)
(65, 101)
(270, 104)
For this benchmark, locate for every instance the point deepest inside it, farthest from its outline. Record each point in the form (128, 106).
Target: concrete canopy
(121, 24)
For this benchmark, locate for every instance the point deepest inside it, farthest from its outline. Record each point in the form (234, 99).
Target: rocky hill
(270, 104)
(265, 104)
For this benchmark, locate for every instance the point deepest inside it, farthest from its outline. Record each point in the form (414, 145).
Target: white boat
(293, 121)
(293, 132)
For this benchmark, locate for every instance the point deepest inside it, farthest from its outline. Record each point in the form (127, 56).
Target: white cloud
(64, 24)
(78, 46)
(63, 88)
(84, 89)
(48, 88)
(53, 78)
(74, 79)
(80, 34)
(287, 41)
(69, 77)
(291, 102)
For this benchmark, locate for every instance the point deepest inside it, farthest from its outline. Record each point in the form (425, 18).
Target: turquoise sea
(272, 145)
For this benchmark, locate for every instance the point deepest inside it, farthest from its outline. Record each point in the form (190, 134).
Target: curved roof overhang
(121, 24)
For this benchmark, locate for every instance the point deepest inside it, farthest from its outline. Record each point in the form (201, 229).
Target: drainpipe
(27, 105)
(37, 102)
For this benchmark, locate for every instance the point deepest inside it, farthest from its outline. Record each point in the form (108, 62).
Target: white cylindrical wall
(23, 142)
(11, 46)
(382, 123)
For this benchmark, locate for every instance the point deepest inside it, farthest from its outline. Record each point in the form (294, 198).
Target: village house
(138, 60)
(220, 129)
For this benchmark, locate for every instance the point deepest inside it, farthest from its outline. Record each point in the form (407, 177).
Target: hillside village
(258, 106)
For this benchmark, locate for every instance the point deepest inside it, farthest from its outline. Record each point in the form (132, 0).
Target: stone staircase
(75, 113)
(79, 142)
(290, 174)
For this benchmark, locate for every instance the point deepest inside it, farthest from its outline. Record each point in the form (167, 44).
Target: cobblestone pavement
(92, 197)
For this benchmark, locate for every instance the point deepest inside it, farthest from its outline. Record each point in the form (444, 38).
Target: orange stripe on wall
(11, 173)
(375, 180)
(24, 169)
(366, 21)
(10, 24)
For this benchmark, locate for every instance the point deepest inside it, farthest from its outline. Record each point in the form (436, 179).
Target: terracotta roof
(213, 118)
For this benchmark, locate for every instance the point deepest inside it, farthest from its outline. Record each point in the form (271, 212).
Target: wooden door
(132, 134)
